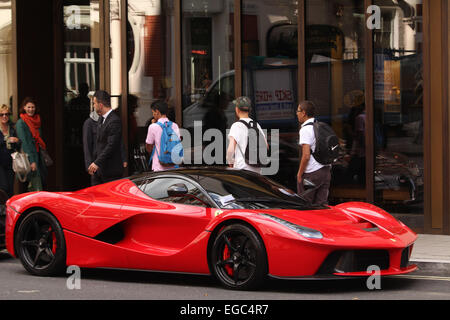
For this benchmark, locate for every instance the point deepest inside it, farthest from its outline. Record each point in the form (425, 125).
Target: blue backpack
(171, 149)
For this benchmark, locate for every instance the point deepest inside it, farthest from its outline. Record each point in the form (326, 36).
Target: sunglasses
(4, 114)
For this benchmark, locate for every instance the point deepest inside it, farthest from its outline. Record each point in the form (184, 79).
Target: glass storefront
(207, 71)
(269, 75)
(151, 68)
(6, 46)
(398, 107)
(81, 76)
(335, 81)
(184, 51)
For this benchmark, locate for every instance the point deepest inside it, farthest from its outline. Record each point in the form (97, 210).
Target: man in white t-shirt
(309, 168)
(238, 136)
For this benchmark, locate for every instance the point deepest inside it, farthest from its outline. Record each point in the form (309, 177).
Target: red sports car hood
(349, 220)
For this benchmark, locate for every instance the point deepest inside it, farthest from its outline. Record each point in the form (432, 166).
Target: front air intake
(346, 261)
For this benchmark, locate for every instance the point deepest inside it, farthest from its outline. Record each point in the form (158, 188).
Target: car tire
(238, 258)
(40, 244)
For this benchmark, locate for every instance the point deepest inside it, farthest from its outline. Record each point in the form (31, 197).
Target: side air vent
(405, 257)
(111, 235)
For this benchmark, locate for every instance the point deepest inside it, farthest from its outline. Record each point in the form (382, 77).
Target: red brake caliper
(54, 243)
(226, 256)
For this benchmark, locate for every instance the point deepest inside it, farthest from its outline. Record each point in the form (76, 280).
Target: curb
(435, 268)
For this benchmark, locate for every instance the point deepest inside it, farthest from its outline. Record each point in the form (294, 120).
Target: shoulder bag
(21, 165)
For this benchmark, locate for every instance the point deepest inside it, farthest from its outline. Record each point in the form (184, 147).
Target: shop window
(269, 73)
(398, 107)
(151, 70)
(207, 66)
(6, 46)
(335, 82)
(81, 77)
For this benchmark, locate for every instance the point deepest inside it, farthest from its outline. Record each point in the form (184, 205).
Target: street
(96, 284)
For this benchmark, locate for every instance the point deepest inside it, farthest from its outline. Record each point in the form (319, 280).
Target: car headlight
(303, 231)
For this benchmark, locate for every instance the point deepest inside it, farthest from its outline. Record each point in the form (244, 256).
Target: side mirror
(308, 185)
(177, 190)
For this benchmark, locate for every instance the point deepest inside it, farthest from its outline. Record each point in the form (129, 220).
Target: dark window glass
(157, 189)
(398, 107)
(151, 72)
(207, 63)
(240, 190)
(269, 74)
(335, 82)
(81, 78)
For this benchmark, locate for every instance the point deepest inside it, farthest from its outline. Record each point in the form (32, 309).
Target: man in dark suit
(90, 127)
(108, 165)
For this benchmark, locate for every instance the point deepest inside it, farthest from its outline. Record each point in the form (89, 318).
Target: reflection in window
(151, 71)
(81, 76)
(157, 189)
(398, 103)
(6, 83)
(207, 63)
(269, 60)
(335, 82)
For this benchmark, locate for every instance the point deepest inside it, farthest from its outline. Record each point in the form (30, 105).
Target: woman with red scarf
(29, 132)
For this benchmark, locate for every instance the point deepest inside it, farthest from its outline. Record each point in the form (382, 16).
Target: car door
(165, 224)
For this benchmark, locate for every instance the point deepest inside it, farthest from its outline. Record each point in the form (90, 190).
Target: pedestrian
(154, 134)
(9, 143)
(107, 165)
(90, 127)
(239, 138)
(309, 168)
(30, 134)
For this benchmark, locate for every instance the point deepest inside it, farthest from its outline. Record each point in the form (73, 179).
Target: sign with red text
(274, 95)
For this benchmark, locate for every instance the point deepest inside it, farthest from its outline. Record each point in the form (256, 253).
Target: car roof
(194, 172)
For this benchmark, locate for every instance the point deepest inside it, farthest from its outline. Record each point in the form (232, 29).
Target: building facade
(377, 71)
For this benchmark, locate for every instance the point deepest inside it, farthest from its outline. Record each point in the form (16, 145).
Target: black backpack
(327, 143)
(255, 142)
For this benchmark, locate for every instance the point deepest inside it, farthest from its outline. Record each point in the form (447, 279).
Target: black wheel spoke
(227, 241)
(40, 244)
(47, 233)
(249, 263)
(38, 255)
(223, 263)
(49, 253)
(236, 269)
(242, 247)
(30, 243)
(238, 258)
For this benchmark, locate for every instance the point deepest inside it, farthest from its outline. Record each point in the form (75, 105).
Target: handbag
(21, 165)
(46, 157)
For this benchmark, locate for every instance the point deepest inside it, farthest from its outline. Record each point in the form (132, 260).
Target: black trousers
(97, 179)
(320, 178)
(7, 180)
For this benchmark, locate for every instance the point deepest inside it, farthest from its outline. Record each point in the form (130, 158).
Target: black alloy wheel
(40, 244)
(238, 258)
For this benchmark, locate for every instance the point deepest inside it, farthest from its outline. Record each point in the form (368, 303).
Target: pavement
(431, 253)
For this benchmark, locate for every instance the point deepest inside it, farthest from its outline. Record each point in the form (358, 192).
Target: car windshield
(244, 190)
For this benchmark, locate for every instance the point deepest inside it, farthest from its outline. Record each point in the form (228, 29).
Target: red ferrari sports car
(237, 225)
